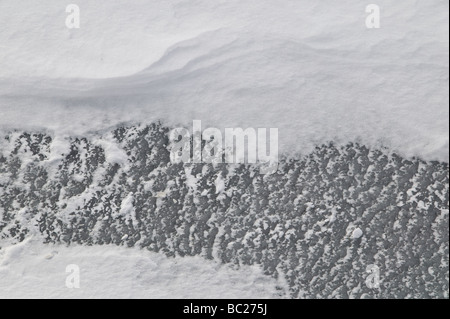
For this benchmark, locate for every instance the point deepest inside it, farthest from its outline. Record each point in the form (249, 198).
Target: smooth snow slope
(310, 68)
(34, 270)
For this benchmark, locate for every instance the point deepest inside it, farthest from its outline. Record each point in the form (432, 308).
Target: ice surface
(300, 223)
(311, 69)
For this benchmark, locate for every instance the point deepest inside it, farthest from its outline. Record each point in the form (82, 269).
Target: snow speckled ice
(311, 69)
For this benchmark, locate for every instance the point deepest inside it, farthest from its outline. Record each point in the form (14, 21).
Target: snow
(219, 184)
(311, 69)
(127, 210)
(34, 270)
(113, 153)
(357, 233)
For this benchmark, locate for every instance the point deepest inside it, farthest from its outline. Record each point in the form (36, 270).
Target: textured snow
(33, 270)
(83, 158)
(310, 68)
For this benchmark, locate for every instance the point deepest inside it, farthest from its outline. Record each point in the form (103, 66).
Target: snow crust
(310, 68)
(357, 233)
(34, 270)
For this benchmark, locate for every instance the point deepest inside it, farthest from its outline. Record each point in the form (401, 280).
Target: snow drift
(313, 70)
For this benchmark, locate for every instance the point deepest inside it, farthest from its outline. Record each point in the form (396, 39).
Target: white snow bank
(33, 270)
(310, 68)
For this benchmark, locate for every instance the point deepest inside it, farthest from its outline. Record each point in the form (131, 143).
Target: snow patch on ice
(357, 233)
(33, 270)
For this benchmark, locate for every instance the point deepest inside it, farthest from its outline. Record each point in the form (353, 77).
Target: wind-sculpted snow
(320, 221)
(312, 69)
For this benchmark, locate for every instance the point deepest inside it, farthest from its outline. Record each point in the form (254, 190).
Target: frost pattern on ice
(318, 222)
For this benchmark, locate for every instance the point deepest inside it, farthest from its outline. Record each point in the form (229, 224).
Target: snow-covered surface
(34, 270)
(310, 68)
(357, 233)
